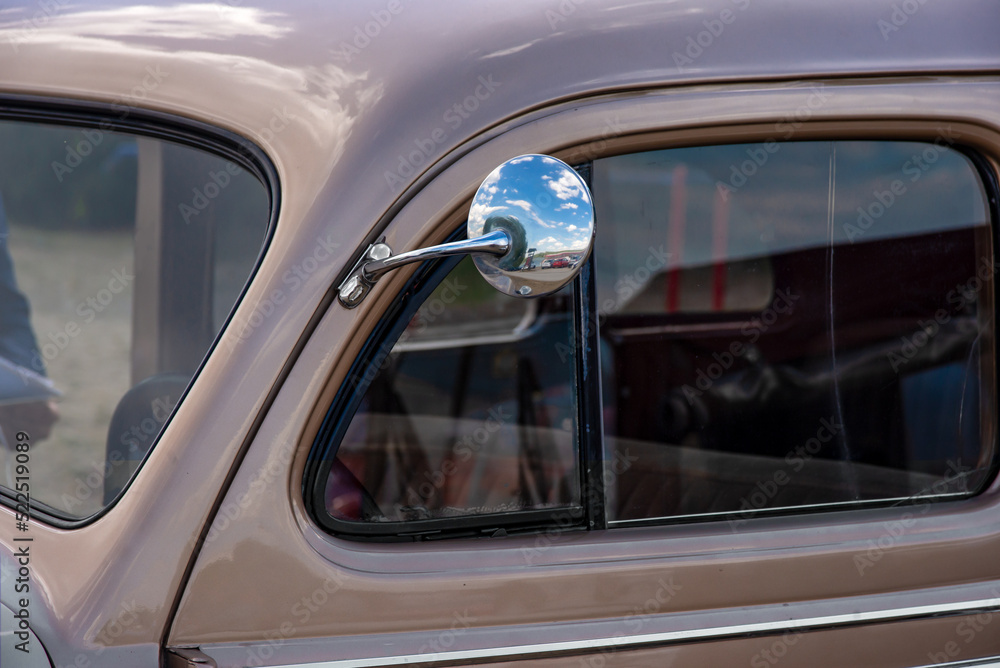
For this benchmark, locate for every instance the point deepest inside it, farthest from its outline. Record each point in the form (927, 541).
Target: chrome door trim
(521, 652)
(990, 662)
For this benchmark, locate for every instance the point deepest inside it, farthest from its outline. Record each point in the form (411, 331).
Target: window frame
(163, 126)
(989, 178)
(590, 430)
(346, 402)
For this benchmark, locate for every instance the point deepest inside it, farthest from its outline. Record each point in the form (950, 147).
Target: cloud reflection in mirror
(546, 210)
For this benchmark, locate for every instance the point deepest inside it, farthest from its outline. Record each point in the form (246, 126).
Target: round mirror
(546, 210)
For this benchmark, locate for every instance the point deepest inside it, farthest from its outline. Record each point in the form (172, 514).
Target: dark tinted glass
(797, 324)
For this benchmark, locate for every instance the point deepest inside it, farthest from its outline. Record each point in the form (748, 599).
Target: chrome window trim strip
(516, 652)
(990, 662)
(902, 502)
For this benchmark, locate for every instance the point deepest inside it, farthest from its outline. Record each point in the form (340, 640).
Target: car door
(759, 427)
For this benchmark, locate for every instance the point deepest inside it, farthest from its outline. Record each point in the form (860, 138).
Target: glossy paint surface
(359, 105)
(408, 590)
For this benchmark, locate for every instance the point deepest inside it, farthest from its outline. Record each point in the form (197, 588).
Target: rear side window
(791, 325)
(121, 257)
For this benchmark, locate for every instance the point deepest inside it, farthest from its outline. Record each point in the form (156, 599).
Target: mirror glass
(546, 209)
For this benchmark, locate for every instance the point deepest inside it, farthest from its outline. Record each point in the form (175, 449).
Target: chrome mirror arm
(378, 259)
(494, 243)
(530, 229)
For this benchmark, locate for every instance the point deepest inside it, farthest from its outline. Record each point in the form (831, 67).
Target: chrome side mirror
(530, 229)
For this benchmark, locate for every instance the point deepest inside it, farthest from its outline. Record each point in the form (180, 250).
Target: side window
(471, 416)
(792, 325)
(781, 326)
(121, 258)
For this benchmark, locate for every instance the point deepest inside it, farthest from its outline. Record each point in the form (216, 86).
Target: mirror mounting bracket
(355, 288)
(378, 259)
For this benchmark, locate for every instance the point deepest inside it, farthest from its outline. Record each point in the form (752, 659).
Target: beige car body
(211, 545)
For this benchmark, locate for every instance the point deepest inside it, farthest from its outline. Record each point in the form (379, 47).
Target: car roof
(340, 94)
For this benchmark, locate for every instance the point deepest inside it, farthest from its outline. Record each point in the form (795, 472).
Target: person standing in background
(19, 346)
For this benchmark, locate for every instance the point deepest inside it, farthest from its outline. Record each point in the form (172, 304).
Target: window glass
(121, 258)
(793, 324)
(472, 412)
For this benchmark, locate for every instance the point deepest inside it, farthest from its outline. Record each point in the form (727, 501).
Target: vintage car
(561, 333)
